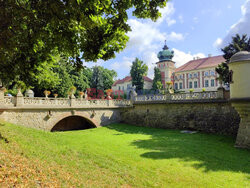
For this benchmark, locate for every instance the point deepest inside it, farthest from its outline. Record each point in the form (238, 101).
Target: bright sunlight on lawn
(120, 155)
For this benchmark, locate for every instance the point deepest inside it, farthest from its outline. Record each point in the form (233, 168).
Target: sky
(193, 28)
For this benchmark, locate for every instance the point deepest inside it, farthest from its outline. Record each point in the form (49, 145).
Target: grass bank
(120, 155)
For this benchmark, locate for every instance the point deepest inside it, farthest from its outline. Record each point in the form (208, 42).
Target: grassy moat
(119, 155)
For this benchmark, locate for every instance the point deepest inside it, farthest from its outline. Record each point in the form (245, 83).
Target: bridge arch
(76, 121)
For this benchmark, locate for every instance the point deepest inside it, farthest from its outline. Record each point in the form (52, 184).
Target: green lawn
(120, 155)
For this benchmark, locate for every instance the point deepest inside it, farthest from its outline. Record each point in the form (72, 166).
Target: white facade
(126, 83)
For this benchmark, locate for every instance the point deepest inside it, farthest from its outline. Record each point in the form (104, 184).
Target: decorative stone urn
(239, 67)
(29, 93)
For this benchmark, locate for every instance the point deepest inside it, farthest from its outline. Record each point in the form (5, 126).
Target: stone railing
(42, 102)
(196, 96)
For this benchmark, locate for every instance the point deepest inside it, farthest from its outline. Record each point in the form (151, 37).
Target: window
(190, 75)
(190, 84)
(212, 73)
(181, 77)
(206, 83)
(195, 84)
(206, 73)
(212, 83)
(180, 85)
(176, 85)
(195, 75)
(119, 88)
(175, 78)
(123, 88)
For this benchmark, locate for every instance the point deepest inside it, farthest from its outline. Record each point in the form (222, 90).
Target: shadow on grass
(207, 151)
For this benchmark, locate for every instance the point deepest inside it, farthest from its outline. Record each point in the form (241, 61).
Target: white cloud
(240, 27)
(166, 14)
(143, 35)
(173, 36)
(217, 43)
(180, 57)
(125, 64)
(146, 35)
(150, 58)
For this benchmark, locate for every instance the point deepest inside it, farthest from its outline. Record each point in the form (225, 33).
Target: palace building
(198, 74)
(125, 84)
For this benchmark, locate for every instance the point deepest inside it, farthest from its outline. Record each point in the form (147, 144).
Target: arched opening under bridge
(73, 123)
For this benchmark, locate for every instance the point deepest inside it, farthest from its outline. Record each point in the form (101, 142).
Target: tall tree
(238, 43)
(138, 70)
(33, 30)
(108, 77)
(157, 83)
(97, 78)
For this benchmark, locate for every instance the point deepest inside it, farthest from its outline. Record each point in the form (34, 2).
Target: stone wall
(212, 117)
(46, 119)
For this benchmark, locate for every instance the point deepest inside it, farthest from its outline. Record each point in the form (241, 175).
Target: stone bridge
(205, 111)
(57, 114)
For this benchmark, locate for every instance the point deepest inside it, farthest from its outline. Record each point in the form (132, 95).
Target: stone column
(19, 98)
(2, 95)
(240, 95)
(72, 102)
(220, 91)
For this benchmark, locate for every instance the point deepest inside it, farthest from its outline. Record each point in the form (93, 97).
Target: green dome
(165, 54)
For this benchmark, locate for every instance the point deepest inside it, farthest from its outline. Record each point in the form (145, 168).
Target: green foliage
(138, 70)
(97, 79)
(223, 71)
(108, 77)
(157, 83)
(238, 43)
(33, 31)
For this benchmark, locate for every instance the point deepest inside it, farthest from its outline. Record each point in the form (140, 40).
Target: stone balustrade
(197, 96)
(42, 102)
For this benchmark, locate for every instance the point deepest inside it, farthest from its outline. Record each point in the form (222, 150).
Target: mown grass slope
(120, 155)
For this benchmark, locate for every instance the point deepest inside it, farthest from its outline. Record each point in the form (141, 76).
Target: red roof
(129, 78)
(201, 63)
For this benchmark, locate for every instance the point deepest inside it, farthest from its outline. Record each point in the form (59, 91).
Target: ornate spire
(165, 54)
(165, 46)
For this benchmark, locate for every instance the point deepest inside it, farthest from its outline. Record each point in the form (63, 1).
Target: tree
(238, 43)
(223, 71)
(157, 83)
(32, 31)
(138, 70)
(97, 79)
(108, 77)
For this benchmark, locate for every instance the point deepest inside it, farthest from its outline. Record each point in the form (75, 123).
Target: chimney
(209, 55)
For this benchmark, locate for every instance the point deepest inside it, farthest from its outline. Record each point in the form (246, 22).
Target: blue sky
(191, 27)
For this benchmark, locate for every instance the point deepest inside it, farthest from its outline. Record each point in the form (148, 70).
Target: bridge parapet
(182, 97)
(43, 102)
